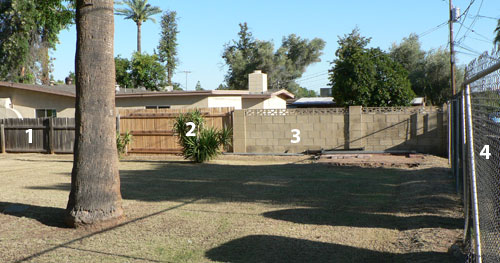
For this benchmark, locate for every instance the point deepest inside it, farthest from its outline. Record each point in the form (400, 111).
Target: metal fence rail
(475, 157)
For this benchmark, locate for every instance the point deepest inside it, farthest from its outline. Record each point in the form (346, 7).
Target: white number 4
(485, 152)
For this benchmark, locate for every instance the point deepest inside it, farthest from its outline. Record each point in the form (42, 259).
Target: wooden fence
(42, 135)
(152, 129)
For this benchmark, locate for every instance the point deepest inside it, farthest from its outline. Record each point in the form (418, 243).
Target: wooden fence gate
(42, 135)
(152, 129)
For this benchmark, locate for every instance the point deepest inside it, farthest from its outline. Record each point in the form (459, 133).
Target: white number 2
(190, 132)
(485, 152)
(296, 136)
(30, 135)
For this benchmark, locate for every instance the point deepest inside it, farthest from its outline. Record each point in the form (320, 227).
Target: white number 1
(485, 152)
(30, 135)
(296, 136)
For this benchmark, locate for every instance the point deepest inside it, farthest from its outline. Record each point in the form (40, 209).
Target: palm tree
(95, 198)
(139, 11)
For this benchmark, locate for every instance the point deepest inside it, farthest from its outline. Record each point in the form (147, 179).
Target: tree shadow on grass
(330, 193)
(49, 216)
(266, 248)
(320, 216)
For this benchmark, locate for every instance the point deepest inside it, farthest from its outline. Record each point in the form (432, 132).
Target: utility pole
(187, 72)
(453, 18)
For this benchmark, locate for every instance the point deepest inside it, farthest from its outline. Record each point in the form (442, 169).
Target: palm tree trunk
(95, 199)
(139, 24)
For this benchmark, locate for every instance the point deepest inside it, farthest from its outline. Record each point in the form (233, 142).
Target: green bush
(206, 143)
(122, 141)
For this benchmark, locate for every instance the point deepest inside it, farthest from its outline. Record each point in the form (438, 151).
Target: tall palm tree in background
(139, 11)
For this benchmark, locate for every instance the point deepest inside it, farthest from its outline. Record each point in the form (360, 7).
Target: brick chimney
(257, 82)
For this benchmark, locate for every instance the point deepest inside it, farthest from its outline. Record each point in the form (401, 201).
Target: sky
(205, 26)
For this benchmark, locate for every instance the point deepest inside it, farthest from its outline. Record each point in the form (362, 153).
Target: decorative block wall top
(400, 110)
(287, 112)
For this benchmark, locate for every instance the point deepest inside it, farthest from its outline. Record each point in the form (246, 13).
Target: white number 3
(296, 136)
(485, 152)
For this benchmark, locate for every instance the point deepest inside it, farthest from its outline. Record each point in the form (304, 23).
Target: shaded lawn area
(241, 209)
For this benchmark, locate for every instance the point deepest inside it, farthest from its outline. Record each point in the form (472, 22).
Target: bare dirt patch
(236, 209)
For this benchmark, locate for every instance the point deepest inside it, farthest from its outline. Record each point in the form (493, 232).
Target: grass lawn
(235, 209)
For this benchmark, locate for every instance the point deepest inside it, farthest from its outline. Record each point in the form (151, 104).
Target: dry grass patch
(235, 209)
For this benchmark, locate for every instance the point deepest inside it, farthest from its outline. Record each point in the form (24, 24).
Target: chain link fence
(475, 157)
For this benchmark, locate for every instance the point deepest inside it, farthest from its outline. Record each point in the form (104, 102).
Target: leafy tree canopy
(282, 66)
(367, 76)
(429, 71)
(143, 71)
(147, 72)
(26, 27)
(123, 67)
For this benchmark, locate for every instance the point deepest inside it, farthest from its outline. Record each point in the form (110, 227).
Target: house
(313, 102)
(32, 101)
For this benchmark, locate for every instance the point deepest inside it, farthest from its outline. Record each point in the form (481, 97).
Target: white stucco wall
(271, 103)
(230, 101)
(275, 103)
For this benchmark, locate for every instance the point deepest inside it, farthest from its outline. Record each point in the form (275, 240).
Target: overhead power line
(432, 29)
(303, 79)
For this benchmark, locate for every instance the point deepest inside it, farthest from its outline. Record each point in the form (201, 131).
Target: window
(44, 113)
(158, 107)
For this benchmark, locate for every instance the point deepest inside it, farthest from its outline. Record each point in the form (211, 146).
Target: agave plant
(206, 143)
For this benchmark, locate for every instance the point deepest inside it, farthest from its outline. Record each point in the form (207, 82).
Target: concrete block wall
(373, 129)
(270, 131)
(406, 129)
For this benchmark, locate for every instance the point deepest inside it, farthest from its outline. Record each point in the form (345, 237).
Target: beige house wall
(274, 102)
(373, 129)
(26, 102)
(176, 102)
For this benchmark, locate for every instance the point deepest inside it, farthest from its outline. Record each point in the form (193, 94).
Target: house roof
(418, 101)
(70, 91)
(314, 101)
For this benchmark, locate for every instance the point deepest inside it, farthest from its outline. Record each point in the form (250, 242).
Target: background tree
(198, 86)
(496, 41)
(283, 66)
(138, 11)
(167, 48)
(367, 77)
(123, 68)
(437, 79)
(143, 71)
(95, 197)
(411, 56)
(28, 29)
(429, 71)
(147, 71)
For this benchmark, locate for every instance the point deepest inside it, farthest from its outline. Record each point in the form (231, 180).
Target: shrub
(206, 143)
(122, 141)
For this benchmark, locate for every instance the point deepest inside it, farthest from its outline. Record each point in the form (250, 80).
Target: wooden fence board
(152, 129)
(17, 135)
